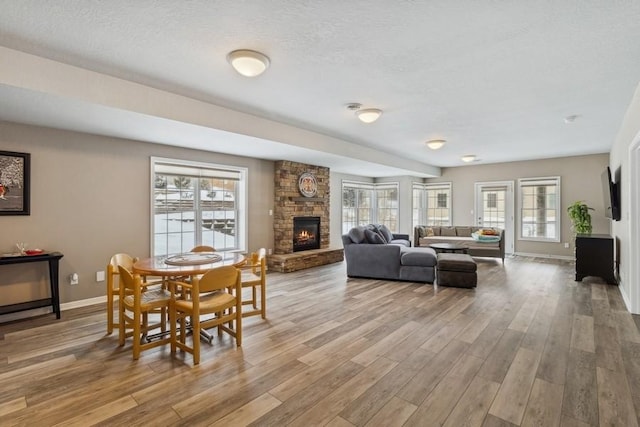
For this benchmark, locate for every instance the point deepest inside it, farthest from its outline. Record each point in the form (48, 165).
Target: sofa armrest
(400, 236)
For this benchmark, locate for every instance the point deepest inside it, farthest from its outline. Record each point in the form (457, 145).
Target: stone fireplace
(306, 233)
(291, 202)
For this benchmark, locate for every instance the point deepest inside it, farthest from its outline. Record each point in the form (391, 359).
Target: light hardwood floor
(528, 347)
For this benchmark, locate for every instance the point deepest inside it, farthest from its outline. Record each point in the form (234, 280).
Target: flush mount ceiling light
(249, 63)
(435, 144)
(572, 118)
(468, 158)
(369, 115)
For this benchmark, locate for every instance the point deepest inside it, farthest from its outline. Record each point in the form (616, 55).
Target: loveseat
(386, 256)
(462, 235)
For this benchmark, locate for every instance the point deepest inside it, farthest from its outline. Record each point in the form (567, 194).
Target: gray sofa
(461, 235)
(393, 258)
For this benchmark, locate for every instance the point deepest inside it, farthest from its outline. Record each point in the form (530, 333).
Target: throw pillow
(421, 231)
(428, 232)
(385, 232)
(357, 235)
(447, 231)
(463, 231)
(373, 237)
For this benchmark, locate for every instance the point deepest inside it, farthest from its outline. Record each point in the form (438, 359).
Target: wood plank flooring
(528, 347)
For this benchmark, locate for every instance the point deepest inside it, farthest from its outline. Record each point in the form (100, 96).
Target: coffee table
(448, 248)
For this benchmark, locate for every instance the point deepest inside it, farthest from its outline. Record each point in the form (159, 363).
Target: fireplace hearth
(306, 233)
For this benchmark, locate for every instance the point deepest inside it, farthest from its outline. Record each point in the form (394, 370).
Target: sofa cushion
(402, 242)
(463, 231)
(448, 231)
(357, 235)
(424, 257)
(373, 237)
(385, 232)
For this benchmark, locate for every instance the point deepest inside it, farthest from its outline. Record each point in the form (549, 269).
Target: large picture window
(539, 205)
(366, 203)
(431, 204)
(196, 204)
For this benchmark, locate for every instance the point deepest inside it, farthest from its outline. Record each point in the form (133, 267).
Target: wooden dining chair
(203, 248)
(113, 285)
(254, 276)
(217, 292)
(137, 302)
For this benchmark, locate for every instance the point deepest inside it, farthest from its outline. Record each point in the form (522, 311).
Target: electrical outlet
(73, 279)
(566, 245)
(270, 251)
(100, 276)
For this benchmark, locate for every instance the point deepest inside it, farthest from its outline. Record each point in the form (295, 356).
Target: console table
(594, 257)
(54, 260)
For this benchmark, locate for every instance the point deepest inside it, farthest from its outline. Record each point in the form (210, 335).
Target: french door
(494, 207)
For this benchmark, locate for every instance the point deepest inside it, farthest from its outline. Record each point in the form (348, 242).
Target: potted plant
(580, 217)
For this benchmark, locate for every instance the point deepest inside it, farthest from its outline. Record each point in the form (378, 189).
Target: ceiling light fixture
(572, 118)
(369, 115)
(249, 63)
(435, 144)
(468, 158)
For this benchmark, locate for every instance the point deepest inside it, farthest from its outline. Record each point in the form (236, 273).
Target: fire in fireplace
(306, 233)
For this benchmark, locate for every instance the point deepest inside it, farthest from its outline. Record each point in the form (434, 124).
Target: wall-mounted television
(611, 194)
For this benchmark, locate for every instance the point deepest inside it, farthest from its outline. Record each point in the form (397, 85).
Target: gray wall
(90, 199)
(580, 180)
(620, 164)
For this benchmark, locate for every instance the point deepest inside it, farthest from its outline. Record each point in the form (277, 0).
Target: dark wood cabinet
(594, 257)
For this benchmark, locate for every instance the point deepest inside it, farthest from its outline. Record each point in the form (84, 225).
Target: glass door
(494, 208)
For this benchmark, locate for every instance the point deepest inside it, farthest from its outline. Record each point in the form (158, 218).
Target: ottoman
(457, 270)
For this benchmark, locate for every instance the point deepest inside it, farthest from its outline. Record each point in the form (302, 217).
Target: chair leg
(163, 319)
(183, 327)
(238, 323)
(173, 321)
(121, 326)
(255, 299)
(196, 340)
(263, 301)
(109, 309)
(136, 336)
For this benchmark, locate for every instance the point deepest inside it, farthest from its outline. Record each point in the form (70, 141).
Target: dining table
(189, 264)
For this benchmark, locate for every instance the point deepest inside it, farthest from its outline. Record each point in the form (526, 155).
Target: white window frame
(373, 209)
(423, 217)
(241, 198)
(530, 182)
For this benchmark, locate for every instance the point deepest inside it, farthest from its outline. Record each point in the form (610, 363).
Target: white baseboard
(46, 310)
(547, 256)
(625, 297)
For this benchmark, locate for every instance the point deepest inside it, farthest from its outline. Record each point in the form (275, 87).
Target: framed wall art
(15, 170)
(308, 185)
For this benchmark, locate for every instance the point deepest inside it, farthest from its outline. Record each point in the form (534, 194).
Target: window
(539, 205)
(367, 203)
(196, 204)
(431, 204)
(492, 200)
(387, 205)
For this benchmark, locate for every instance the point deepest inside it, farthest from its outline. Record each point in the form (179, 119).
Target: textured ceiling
(493, 78)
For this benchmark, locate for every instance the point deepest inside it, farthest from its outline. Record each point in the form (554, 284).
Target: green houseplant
(580, 217)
